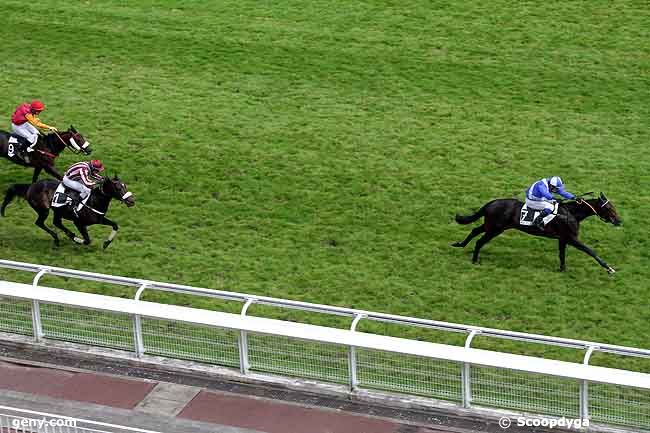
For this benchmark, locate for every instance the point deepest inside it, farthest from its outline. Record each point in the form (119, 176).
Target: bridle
(74, 147)
(124, 196)
(581, 201)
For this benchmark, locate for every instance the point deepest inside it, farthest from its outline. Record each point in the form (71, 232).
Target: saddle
(64, 196)
(527, 216)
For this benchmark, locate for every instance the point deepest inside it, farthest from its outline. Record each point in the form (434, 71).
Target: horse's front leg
(562, 247)
(84, 232)
(105, 221)
(52, 171)
(37, 171)
(582, 247)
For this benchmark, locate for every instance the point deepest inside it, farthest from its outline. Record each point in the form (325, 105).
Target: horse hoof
(78, 240)
(457, 244)
(610, 270)
(106, 244)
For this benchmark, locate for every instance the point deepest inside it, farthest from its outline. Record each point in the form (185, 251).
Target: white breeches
(77, 186)
(26, 130)
(540, 204)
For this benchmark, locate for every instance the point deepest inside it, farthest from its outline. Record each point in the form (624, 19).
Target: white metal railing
(22, 420)
(361, 360)
(248, 299)
(484, 378)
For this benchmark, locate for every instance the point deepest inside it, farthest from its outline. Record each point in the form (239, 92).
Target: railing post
(467, 373)
(137, 324)
(243, 341)
(584, 388)
(352, 356)
(37, 325)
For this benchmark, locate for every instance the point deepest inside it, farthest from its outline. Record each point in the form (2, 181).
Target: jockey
(82, 177)
(25, 123)
(540, 197)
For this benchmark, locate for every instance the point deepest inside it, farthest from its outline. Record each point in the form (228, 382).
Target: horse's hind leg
(37, 172)
(84, 232)
(40, 222)
(475, 232)
(53, 172)
(487, 237)
(59, 224)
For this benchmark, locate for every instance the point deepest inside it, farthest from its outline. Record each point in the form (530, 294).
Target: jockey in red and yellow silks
(24, 122)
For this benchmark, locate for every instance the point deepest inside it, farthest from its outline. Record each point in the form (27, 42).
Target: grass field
(319, 151)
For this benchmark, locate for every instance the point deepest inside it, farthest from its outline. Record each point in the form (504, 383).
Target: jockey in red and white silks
(82, 177)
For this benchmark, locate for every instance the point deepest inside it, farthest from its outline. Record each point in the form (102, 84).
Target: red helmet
(37, 105)
(97, 165)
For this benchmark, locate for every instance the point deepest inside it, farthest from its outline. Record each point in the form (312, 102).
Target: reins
(59, 137)
(51, 155)
(581, 201)
(74, 149)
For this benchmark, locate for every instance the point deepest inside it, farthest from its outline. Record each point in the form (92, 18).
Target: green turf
(318, 151)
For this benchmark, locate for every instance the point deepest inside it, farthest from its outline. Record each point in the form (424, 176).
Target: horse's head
(73, 140)
(606, 211)
(117, 189)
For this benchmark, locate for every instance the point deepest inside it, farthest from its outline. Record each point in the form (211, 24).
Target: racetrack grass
(319, 151)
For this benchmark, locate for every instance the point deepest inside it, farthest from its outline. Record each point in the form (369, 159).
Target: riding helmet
(556, 182)
(37, 105)
(97, 165)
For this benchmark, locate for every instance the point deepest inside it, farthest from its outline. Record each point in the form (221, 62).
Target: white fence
(15, 420)
(468, 376)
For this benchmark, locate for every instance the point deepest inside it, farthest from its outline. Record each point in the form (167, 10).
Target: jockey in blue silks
(540, 197)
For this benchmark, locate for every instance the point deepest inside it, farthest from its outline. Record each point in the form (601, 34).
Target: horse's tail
(468, 219)
(17, 189)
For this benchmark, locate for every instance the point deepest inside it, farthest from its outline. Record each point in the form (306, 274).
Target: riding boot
(75, 203)
(539, 221)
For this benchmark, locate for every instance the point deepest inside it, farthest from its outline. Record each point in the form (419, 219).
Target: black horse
(47, 148)
(503, 214)
(39, 195)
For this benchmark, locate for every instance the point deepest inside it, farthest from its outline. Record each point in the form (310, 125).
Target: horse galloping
(48, 147)
(40, 194)
(503, 214)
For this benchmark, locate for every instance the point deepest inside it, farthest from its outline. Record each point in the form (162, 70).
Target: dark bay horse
(48, 147)
(503, 214)
(39, 195)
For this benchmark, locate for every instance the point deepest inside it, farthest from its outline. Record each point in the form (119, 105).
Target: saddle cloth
(16, 148)
(62, 197)
(527, 216)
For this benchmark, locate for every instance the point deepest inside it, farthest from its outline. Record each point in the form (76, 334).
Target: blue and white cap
(556, 182)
